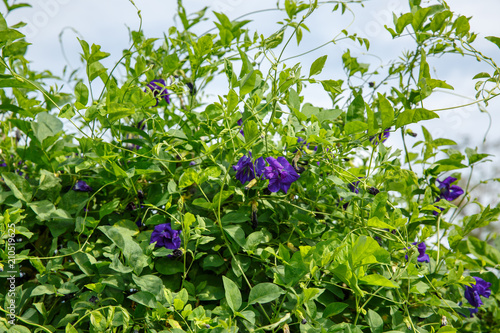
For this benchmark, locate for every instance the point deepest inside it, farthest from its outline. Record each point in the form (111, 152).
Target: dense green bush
(149, 206)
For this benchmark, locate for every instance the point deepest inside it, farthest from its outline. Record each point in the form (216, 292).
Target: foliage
(323, 235)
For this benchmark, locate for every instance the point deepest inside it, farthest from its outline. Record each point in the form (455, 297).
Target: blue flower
(447, 191)
(245, 170)
(159, 91)
(240, 123)
(422, 256)
(472, 294)
(165, 236)
(280, 174)
(381, 137)
(353, 187)
(82, 186)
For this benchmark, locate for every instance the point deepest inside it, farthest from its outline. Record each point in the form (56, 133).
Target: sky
(107, 23)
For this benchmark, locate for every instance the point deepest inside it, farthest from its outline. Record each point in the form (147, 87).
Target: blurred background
(54, 25)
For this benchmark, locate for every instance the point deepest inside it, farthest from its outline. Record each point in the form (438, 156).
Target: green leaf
(438, 20)
(189, 177)
(95, 70)
(484, 75)
(81, 94)
(235, 217)
(377, 280)
(386, 110)
(473, 156)
(328, 115)
(356, 110)
(334, 309)
(419, 18)
(371, 121)
(484, 251)
(16, 83)
(461, 26)
(419, 288)
(494, 40)
(363, 248)
(10, 35)
(18, 329)
(264, 293)
(414, 116)
(167, 266)
(251, 130)
(403, 21)
(46, 126)
(67, 112)
(19, 186)
(236, 233)
(70, 329)
(232, 292)
(247, 84)
(212, 260)
(232, 100)
(375, 222)
(447, 329)
(43, 209)
(355, 127)
(317, 66)
(108, 207)
(293, 99)
(145, 298)
(44, 289)
(122, 238)
(375, 321)
(149, 283)
(332, 86)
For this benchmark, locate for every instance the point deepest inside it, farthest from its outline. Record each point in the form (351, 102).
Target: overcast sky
(105, 23)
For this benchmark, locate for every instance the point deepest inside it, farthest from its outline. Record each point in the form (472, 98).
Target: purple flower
(422, 256)
(159, 91)
(245, 170)
(280, 174)
(472, 294)
(240, 123)
(448, 192)
(299, 140)
(141, 125)
(381, 137)
(165, 236)
(353, 187)
(82, 186)
(3, 164)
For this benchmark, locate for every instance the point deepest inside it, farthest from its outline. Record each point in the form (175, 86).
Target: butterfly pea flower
(159, 91)
(246, 170)
(353, 187)
(422, 256)
(381, 137)
(82, 186)
(447, 191)
(473, 293)
(165, 236)
(240, 123)
(280, 174)
(299, 140)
